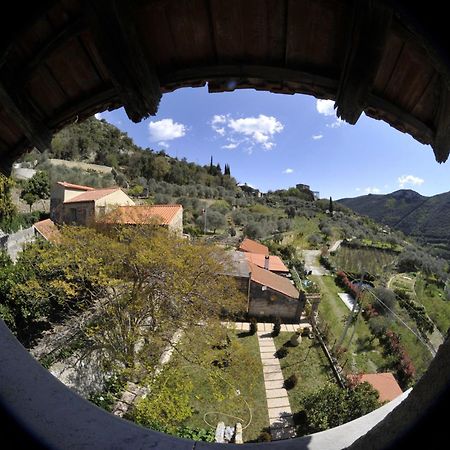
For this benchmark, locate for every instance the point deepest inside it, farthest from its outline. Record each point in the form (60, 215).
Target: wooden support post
(117, 42)
(441, 143)
(366, 40)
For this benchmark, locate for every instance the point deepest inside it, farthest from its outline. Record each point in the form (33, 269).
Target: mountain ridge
(426, 218)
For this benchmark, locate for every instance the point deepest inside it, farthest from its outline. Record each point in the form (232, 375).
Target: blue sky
(274, 141)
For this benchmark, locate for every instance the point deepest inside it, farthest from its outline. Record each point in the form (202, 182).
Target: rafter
(118, 44)
(366, 40)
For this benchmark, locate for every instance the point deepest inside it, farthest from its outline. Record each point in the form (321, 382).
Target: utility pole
(204, 216)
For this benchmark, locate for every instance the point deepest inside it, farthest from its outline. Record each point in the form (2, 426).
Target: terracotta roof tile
(91, 196)
(275, 263)
(75, 186)
(248, 245)
(384, 383)
(47, 229)
(141, 214)
(273, 281)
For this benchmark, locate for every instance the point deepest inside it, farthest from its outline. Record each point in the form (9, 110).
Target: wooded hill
(425, 218)
(96, 141)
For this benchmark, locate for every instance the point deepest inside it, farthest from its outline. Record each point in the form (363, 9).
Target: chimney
(266, 262)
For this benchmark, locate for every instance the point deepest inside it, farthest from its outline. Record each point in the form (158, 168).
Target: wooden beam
(243, 71)
(366, 41)
(114, 30)
(441, 143)
(25, 117)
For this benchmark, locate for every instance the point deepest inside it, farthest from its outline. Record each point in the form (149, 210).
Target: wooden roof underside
(72, 58)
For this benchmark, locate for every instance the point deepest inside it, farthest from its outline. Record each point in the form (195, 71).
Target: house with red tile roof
(268, 262)
(385, 383)
(46, 229)
(271, 295)
(169, 216)
(251, 246)
(81, 205)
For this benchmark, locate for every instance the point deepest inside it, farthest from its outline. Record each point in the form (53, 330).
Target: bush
(291, 382)
(253, 326)
(264, 437)
(282, 352)
(276, 327)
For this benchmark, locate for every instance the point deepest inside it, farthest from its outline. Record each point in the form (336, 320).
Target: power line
(433, 352)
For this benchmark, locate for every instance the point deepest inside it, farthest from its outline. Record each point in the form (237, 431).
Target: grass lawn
(365, 352)
(302, 229)
(215, 390)
(310, 365)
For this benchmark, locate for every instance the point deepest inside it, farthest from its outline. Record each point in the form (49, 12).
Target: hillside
(98, 142)
(426, 218)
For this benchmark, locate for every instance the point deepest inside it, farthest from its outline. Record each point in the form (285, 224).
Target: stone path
(280, 415)
(245, 326)
(312, 263)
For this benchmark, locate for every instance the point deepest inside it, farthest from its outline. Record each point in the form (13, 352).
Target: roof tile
(248, 245)
(273, 281)
(91, 196)
(140, 214)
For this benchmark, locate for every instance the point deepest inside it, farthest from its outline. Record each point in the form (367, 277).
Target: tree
(7, 208)
(214, 219)
(330, 207)
(36, 188)
(168, 403)
(160, 167)
(332, 406)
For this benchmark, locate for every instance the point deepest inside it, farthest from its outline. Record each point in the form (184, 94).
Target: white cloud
(260, 130)
(166, 130)
(336, 124)
(372, 190)
(252, 131)
(231, 145)
(409, 179)
(325, 107)
(288, 170)
(98, 116)
(317, 136)
(358, 189)
(163, 144)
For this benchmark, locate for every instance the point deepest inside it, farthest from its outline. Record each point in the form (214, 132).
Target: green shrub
(253, 326)
(264, 437)
(282, 352)
(276, 327)
(291, 382)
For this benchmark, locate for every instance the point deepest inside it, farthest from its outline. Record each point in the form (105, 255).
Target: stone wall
(14, 242)
(267, 304)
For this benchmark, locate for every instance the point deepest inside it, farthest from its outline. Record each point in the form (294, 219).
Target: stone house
(268, 295)
(81, 205)
(271, 295)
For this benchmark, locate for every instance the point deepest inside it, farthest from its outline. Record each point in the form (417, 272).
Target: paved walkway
(245, 326)
(280, 414)
(312, 263)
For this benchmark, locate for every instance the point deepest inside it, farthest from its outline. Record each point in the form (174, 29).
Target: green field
(436, 305)
(310, 365)
(302, 229)
(362, 259)
(364, 352)
(232, 394)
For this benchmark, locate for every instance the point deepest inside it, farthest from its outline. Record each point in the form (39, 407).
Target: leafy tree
(168, 403)
(253, 230)
(36, 188)
(332, 406)
(214, 220)
(7, 208)
(330, 207)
